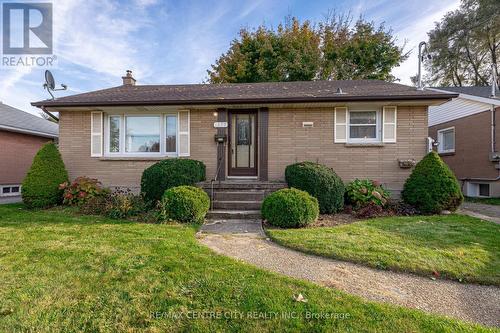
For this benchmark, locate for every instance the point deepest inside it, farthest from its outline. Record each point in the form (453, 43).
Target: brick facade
(17, 151)
(288, 142)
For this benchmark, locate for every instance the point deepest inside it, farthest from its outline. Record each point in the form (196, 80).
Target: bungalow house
(468, 138)
(362, 129)
(21, 136)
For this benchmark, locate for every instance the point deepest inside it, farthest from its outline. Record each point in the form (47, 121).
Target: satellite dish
(49, 80)
(50, 84)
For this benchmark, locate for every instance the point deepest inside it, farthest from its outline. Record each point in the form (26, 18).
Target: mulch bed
(334, 220)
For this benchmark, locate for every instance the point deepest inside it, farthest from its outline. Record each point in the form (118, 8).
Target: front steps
(238, 200)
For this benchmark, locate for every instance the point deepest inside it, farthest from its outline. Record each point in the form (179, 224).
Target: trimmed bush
(432, 186)
(40, 188)
(184, 204)
(170, 173)
(319, 181)
(290, 208)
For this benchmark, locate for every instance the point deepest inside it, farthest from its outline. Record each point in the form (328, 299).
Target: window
(114, 134)
(446, 140)
(484, 190)
(10, 190)
(171, 134)
(363, 126)
(142, 134)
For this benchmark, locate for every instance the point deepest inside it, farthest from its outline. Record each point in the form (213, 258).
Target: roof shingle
(268, 92)
(19, 121)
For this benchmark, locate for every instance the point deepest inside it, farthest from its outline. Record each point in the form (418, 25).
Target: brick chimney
(128, 79)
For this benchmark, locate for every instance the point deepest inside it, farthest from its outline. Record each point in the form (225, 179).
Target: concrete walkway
(485, 212)
(245, 240)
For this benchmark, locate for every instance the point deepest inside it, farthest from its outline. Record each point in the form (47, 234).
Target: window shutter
(389, 124)
(96, 134)
(340, 120)
(184, 137)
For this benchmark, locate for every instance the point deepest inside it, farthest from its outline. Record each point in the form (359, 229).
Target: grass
(487, 201)
(455, 246)
(64, 272)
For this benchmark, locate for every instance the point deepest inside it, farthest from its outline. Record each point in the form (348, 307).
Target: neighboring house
(468, 141)
(362, 129)
(21, 136)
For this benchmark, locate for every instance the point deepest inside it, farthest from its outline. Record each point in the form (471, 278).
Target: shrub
(184, 204)
(432, 186)
(364, 192)
(81, 189)
(117, 205)
(40, 187)
(170, 173)
(290, 208)
(319, 181)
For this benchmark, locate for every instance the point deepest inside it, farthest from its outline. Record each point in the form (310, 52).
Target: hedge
(170, 173)
(184, 204)
(319, 181)
(290, 208)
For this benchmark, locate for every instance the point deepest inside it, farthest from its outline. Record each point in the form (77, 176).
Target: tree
(333, 49)
(41, 186)
(465, 44)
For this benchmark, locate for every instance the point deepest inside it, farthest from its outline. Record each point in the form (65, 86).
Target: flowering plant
(82, 189)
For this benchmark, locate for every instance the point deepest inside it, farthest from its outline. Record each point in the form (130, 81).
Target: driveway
(482, 211)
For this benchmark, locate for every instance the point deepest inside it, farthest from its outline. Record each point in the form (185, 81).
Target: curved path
(469, 302)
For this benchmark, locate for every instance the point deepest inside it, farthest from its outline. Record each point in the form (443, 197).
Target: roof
(246, 93)
(479, 91)
(15, 120)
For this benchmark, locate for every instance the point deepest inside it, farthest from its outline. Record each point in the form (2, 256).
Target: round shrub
(41, 188)
(432, 186)
(170, 173)
(290, 208)
(319, 181)
(184, 204)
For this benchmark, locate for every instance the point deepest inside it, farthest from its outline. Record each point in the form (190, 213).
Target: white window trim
(10, 194)
(163, 129)
(96, 132)
(440, 140)
(378, 128)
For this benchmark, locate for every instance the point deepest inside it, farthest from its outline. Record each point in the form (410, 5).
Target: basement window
(10, 190)
(484, 190)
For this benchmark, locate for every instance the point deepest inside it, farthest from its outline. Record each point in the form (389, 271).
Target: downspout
(49, 114)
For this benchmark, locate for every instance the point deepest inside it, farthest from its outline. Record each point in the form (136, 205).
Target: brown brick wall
(16, 155)
(289, 142)
(472, 145)
(75, 149)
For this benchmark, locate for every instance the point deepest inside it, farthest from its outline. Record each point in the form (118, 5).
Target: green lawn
(487, 201)
(63, 272)
(455, 246)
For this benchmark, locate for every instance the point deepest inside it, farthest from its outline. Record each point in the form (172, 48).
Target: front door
(243, 143)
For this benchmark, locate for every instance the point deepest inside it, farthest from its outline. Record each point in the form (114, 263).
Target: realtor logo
(27, 28)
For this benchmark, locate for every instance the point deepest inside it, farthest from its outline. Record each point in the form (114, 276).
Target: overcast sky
(166, 42)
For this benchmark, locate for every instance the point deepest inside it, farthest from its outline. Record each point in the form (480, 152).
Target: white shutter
(184, 137)
(96, 134)
(389, 119)
(340, 124)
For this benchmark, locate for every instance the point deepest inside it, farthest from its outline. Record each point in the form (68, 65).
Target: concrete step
(242, 186)
(239, 195)
(237, 205)
(223, 214)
